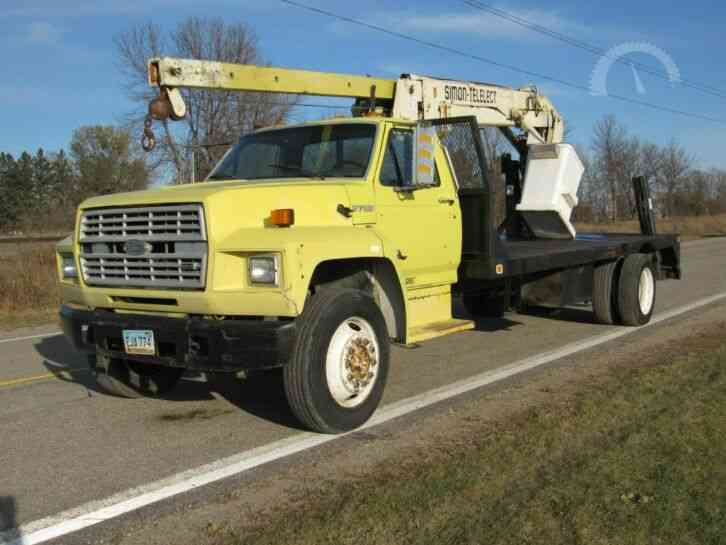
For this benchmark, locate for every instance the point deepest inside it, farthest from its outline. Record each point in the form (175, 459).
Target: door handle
(443, 200)
(344, 211)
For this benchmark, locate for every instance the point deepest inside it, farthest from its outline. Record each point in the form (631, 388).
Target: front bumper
(190, 343)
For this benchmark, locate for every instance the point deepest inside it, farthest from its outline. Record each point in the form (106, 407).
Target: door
(421, 228)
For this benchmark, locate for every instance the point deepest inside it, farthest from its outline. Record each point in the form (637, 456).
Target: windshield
(315, 151)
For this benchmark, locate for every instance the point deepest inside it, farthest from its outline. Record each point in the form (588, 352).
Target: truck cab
(215, 276)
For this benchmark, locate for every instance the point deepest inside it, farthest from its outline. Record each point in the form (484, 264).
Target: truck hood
(233, 205)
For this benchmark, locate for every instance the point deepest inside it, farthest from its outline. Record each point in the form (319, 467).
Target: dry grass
(28, 286)
(636, 457)
(688, 227)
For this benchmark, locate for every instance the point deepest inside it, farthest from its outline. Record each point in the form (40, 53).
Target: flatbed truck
(314, 247)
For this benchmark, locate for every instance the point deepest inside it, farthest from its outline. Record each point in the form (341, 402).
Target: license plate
(139, 341)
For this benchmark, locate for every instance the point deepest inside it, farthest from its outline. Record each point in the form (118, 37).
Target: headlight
(68, 266)
(263, 270)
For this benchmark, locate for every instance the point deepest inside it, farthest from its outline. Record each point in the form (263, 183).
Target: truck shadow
(575, 313)
(260, 395)
(8, 522)
(62, 360)
(582, 315)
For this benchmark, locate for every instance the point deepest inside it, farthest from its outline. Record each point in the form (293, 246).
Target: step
(438, 329)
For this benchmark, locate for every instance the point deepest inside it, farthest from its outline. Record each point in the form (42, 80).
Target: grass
(29, 292)
(688, 227)
(636, 456)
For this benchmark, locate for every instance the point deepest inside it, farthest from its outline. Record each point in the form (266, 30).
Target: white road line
(27, 337)
(130, 500)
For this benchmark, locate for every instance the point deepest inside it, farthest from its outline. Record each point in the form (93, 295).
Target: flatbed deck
(516, 258)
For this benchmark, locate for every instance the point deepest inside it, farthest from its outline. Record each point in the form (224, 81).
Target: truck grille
(183, 222)
(150, 247)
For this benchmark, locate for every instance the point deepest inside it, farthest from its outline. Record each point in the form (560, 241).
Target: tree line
(678, 185)
(40, 191)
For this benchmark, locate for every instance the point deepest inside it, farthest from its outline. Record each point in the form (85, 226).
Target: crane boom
(172, 72)
(411, 97)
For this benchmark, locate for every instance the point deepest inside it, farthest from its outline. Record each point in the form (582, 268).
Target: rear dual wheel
(636, 290)
(624, 291)
(604, 293)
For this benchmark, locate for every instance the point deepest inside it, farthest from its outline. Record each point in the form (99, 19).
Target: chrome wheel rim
(351, 364)
(646, 291)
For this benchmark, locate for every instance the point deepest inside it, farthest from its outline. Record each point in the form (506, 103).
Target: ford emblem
(137, 247)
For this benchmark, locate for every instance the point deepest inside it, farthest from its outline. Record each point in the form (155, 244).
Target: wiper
(221, 177)
(299, 170)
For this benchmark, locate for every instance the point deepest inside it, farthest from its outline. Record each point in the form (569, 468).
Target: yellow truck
(313, 247)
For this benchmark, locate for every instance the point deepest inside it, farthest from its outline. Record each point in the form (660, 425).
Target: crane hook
(148, 140)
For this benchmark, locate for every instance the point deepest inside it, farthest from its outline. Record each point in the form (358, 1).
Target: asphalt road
(63, 443)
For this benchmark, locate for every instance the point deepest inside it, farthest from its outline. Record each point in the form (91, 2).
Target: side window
(396, 170)
(398, 159)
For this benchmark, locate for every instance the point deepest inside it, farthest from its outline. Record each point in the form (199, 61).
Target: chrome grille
(182, 222)
(151, 246)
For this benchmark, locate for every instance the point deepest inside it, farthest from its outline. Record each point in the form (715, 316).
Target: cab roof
(374, 120)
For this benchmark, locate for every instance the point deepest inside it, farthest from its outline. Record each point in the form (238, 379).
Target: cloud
(42, 33)
(470, 22)
(487, 25)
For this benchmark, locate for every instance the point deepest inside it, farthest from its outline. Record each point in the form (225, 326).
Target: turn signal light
(282, 217)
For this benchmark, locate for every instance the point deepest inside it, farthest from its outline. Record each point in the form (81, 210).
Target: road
(63, 444)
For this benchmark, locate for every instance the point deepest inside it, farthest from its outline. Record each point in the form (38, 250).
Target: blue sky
(60, 70)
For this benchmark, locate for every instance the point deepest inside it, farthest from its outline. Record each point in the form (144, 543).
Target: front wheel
(338, 369)
(133, 379)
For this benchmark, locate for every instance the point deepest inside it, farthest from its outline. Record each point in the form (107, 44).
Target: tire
(484, 306)
(636, 290)
(604, 293)
(318, 380)
(133, 379)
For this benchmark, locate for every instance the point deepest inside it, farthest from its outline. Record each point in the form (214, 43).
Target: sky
(60, 68)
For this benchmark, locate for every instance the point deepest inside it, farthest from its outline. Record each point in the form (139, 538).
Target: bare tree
(718, 188)
(214, 118)
(678, 187)
(610, 143)
(592, 198)
(676, 163)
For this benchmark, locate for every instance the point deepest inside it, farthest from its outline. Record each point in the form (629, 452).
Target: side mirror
(424, 140)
